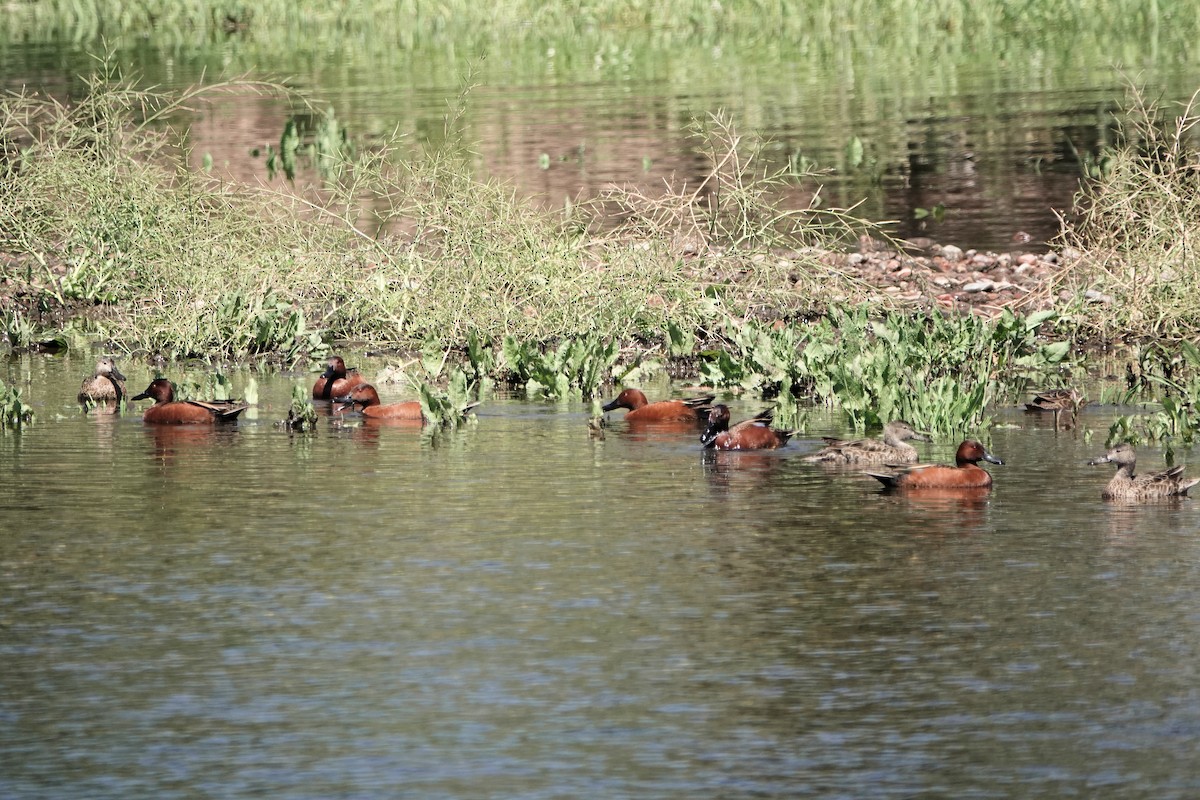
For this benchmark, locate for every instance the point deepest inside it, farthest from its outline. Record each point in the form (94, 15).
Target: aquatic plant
(450, 407)
(940, 373)
(302, 414)
(322, 140)
(576, 367)
(1166, 380)
(13, 411)
(210, 387)
(17, 329)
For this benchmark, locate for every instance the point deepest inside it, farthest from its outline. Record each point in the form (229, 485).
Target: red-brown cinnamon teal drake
(168, 411)
(755, 433)
(965, 474)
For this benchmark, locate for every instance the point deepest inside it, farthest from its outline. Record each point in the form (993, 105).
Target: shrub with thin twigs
(1139, 228)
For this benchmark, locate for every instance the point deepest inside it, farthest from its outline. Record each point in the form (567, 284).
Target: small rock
(904, 273)
(944, 283)
(979, 286)
(1027, 258)
(854, 259)
(951, 252)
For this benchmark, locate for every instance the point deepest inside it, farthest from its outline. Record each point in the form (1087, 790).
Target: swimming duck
(894, 449)
(965, 474)
(105, 385)
(367, 400)
(168, 411)
(692, 409)
(336, 380)
(1057, 401)
(1126, 486)
(755, 433)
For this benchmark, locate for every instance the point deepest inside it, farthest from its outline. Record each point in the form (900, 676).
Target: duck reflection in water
(172, 442)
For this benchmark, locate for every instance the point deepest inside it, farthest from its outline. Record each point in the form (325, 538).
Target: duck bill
(344, 403)
(610, 406)
(143, 396)
(116, 373)
(1099, 460)
(991, 459)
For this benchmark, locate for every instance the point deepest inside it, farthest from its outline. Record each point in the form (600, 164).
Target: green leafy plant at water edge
(1167, 377)
(249, 325)
(91, 278)
(17, 329)
(13, 413)
(939, 373)
(449, 408)
(302, 414)
(681, 342)
(577, 367)
(212, 387)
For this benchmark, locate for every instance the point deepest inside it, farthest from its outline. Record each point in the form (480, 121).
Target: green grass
(171, 261)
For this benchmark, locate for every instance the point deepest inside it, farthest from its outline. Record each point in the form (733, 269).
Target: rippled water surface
(518, 610)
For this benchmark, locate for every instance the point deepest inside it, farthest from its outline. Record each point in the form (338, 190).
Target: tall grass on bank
(99, 210)
(1139, 228)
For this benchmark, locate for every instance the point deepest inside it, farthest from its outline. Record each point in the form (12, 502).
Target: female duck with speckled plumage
(1126, 485)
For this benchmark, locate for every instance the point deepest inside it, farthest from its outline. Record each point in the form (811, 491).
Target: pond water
(520, 610)
(993, 131)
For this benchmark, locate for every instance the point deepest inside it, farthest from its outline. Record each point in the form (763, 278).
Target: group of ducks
(891, 459)
(348, 389)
